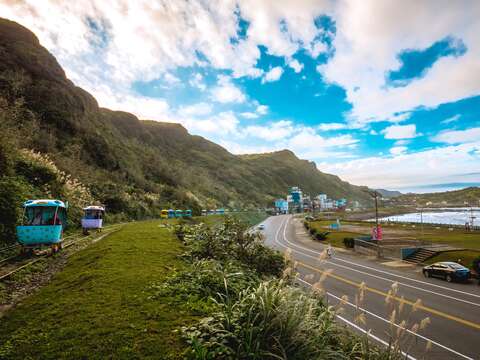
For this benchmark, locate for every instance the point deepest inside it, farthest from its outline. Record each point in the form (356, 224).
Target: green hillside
(469, 196)
(57, 142)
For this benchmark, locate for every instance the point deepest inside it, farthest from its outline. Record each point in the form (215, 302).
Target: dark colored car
(447, 270)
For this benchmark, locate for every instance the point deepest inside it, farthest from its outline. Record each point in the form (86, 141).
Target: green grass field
(440, 235)
(99, 306)
(335, 238)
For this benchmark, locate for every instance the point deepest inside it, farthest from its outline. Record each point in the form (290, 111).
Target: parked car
(450, 271)
(261, 227)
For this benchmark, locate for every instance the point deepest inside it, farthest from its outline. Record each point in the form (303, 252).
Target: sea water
(450, 216)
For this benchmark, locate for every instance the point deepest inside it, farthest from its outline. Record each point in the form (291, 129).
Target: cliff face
(117, 155)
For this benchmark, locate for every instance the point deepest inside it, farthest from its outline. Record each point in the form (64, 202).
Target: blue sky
(390, 102)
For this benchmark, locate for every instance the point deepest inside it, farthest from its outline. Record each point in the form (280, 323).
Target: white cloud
(227, 92)
(308, 144)
(144, 107)
(397, 150)
(199, 109)
(331, 126)
(400, 131)
(171, 79)
(275, 131)
(273, 74)
(262, 109)
(366, 50)
(222, 124)
(236, 148)
(304, 141)
(441, 165)
(458, 136)
(141, 40)
(317, 48)
(249, 115)
(197, 82)
(451, 119)
(295, 65)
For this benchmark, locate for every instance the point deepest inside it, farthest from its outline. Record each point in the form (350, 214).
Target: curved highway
(452, 330)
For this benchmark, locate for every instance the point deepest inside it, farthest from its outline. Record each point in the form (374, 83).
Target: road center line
(388, 322)
(400, 300)
(276, 240)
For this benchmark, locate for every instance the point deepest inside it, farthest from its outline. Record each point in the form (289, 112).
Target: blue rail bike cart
(44, 222)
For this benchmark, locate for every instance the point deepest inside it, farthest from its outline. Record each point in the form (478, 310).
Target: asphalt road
(453, 309)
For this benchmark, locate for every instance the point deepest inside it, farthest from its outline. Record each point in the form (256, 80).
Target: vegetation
(333, 237)
(102, 303)
(466, 257)
(249, 313)
(57, 142)
(469, 196)
(208, 303)
(349, 242)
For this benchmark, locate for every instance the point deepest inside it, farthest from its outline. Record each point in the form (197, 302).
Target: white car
(261, 227)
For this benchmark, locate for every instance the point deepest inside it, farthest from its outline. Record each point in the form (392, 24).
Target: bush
(208, 280)
(313, 231)
(306, 224)
(276, 321)
(349, 242)
(476, 265)
(13, 192)
(271, 321)
(232, 241)
(321, 235)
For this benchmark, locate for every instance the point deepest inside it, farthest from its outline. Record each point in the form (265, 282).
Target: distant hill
(135, 167)
(388, 193)
(469, 196)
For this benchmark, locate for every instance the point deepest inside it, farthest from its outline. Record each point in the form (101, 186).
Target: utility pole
(421, 225)
(374, 194)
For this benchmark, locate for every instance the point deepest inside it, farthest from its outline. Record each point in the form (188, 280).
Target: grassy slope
(99, 305)
(471, 195)
(466, 257)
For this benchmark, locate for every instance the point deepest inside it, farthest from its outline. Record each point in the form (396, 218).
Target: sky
(382, 93)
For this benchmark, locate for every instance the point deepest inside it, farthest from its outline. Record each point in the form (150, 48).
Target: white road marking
(388, 322)
(284, 225)
(386, 272)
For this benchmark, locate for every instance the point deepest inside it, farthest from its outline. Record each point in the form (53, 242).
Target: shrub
(321, 235)
(306, 224)
(313, 231)
(276, 321)
(349, 242)
(13, 192)
(270, 321)
(232, 241)
(208, 280)
(476, 265)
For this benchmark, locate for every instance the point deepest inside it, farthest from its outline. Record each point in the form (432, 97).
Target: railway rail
(76, 238)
